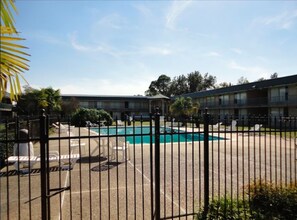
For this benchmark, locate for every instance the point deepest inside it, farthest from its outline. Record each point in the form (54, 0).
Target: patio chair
(62, 128)
(76, 142)
(253, 130)
(90, 124)
(215, 126)
(120, 145)
(103, 144)
(256, 127)
(232, 127)
(66, 161)
(120, 123)
(173, 123)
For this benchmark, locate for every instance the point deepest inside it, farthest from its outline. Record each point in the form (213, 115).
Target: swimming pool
(140, 135)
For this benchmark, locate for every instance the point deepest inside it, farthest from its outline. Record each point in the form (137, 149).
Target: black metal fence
(158, 169)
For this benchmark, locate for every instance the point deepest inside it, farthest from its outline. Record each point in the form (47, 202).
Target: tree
(273, 76)
(179, 85)
(183, 108)
(195, 80)
(242, 80)
(209, 81)
(82, 115)
(159, 86)
(53, 99)
(224, 85)
(32, 100)
(69, 107)
(12, 58)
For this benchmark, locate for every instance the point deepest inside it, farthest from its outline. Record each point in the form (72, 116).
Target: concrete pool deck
(101, 190)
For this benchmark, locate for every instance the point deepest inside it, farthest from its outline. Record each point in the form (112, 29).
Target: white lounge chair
(119, 144)
(103, 144)
(232, 127)
(173, 123)
(256, 127)
(62, 128)
(66, 161)
(253, 129)
(120, 123)
(90, 124)
(76, 142)
(215, 126)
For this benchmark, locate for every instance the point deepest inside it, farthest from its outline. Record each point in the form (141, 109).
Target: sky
(119, 47)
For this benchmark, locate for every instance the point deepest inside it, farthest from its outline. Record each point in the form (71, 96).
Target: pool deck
(123, 189)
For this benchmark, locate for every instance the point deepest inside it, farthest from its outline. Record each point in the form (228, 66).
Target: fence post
(157, 164)
(206, 163)
(43, 171)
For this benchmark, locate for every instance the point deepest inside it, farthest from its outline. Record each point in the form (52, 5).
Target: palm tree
(53, 98)
(12, 61)
(183, 108)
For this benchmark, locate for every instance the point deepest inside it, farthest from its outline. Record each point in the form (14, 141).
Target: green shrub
(82, 115)
(271, 202)
(225, 208)
(266, 201)
(6, 149)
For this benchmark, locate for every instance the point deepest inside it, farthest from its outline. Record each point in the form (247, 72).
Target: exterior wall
(269, 97)
(275, 96)
(120, 107)
(292, 100)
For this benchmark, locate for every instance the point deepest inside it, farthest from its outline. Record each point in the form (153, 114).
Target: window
(240, 98)
(83, 104)
(279, 94)
(126, 104)
(224, 100)
(92, 104)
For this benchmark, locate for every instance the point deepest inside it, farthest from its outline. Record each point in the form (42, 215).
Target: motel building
(272, 97)
(119, 107)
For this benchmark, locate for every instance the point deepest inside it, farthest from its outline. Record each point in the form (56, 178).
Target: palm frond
(12, 57)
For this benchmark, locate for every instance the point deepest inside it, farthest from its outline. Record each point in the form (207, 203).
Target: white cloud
(114, 21)
(45, 37)
(145, 11)
(213, 54)
(256, 71)
(102, 48)
(106, 49)
(151, 50)
(236, 50)
(104, 87)
(175, 10)
(285, 20)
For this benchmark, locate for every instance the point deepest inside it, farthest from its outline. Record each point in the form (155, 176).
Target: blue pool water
(140, 135)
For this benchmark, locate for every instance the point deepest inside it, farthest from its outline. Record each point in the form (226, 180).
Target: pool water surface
(142, 135)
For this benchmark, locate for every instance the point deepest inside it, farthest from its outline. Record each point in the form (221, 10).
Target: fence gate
(159, 176)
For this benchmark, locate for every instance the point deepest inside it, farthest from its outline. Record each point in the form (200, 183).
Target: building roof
(104, 97)
(159, 96)
(245, 87)
(114, 97)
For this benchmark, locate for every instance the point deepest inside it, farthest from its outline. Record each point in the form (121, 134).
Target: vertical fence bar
(43, 174)
(151, 166)
(157, 164)
(206, 164)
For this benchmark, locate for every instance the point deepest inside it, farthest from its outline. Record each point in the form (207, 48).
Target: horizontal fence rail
(157, 168)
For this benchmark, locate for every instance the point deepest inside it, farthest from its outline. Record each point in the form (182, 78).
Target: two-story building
(121, 106)
(276, 97)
